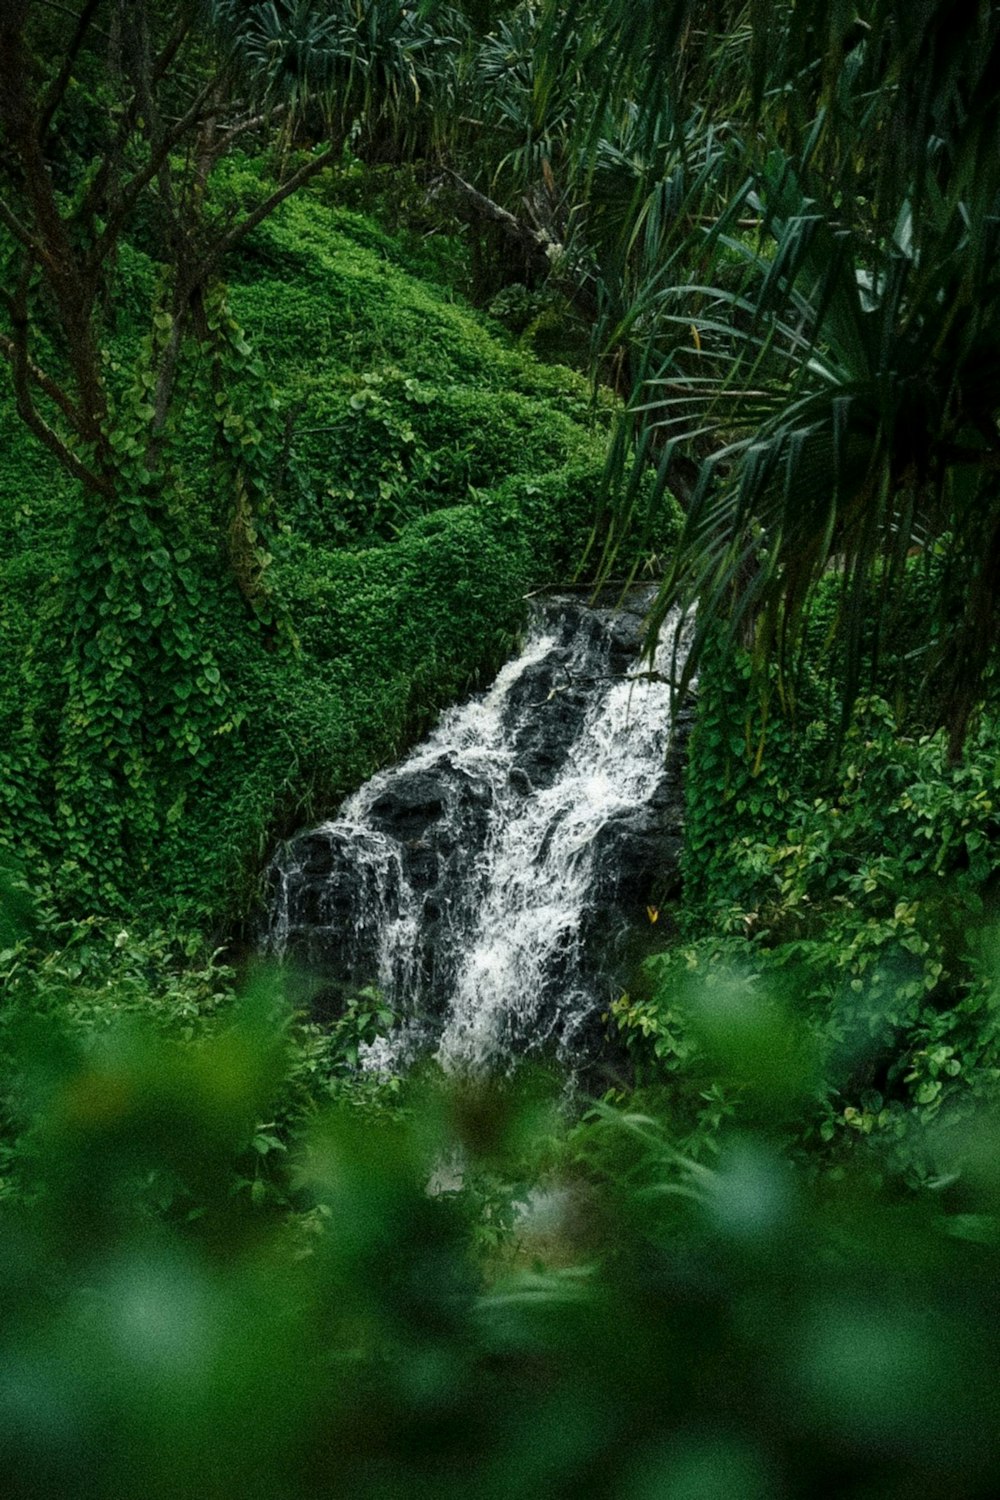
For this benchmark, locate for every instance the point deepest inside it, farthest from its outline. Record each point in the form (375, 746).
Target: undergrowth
(852, 874)
(364, 481)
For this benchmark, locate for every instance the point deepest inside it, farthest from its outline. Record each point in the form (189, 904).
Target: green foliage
(160, 663)
(170, 1325)
(143, 691)
(780, 221)
(369, 452)
(415, 234)
(369, 74)
(201, 664)
(804, 305)
(861, 884)
(543, 321)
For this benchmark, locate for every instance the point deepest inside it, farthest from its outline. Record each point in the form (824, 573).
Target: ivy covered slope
(362, 489)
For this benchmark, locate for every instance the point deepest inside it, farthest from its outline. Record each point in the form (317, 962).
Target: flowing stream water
(488, 882)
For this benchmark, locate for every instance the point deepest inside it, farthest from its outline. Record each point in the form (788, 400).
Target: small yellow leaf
(652, 912)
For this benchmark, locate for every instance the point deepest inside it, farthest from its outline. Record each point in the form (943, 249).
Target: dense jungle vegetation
(330, 329)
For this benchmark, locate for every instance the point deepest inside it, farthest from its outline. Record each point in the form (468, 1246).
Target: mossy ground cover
(423, 474)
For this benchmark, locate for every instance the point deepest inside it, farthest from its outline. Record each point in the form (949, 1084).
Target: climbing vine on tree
(149, 110)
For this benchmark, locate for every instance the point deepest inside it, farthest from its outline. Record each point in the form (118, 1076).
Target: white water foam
(508, 922)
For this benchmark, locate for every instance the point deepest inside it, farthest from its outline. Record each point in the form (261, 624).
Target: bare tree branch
(149, 114)
(23, 373)
(45, 383)
(51, 439)
(17, 229)
(61, 82)
(50, 244)
(261, 212)
(538, 243)
(70, 252)
(253, 123)
(535, 241)
(173, 45)
(97, 192)
(129, 194)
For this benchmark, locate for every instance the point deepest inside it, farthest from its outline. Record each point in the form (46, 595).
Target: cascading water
(485, 883)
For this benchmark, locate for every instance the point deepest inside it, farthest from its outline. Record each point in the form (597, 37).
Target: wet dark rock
(410, 805)
(316, 854)
(637, 863)
(417, 849)
(335, 881)
(414, 801)
(638, 855)
(423, 866)
(436, 816)
(545, 714)
(626, 638)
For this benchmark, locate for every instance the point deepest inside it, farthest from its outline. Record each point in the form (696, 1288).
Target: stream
(491, 883)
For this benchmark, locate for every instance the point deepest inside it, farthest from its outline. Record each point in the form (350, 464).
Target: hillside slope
(418, 475)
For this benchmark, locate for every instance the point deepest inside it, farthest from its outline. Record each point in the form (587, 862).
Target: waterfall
(488, 882)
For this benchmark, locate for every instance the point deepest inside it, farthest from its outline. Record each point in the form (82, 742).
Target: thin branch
(152, 122)
(44, 382)
(112, 155)
(17, 229)
(170, 50)
(242, 126)
(129, 194)
(71, 15)
(17, 351)
(547, 253)
(110, 159)
(50, 439)
(61, 81)
(72, 293)
(261, 212)
(533, 239)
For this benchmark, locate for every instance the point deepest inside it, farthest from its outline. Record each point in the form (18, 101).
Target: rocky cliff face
(488, 883)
